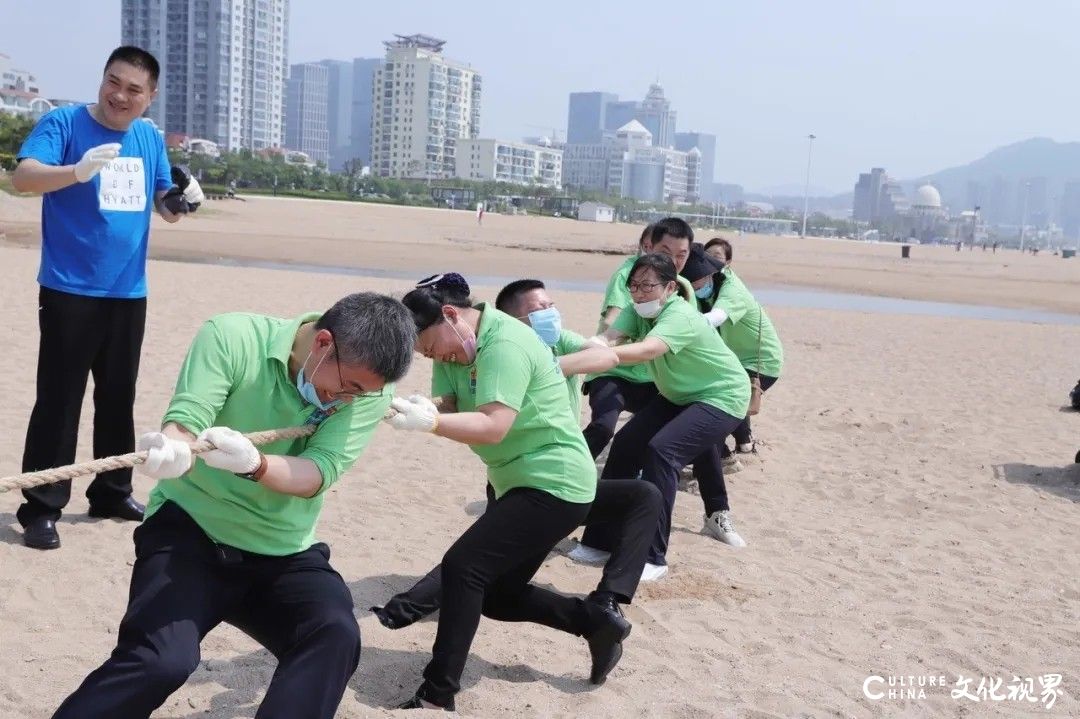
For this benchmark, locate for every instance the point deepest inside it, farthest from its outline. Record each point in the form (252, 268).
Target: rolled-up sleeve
(341, 438)
(206, 378)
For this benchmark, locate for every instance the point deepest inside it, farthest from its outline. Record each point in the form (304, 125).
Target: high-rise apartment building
(223, 66)
(706, 144)
(362, 107)
(422, 104)
(306, 110)
(339, 101)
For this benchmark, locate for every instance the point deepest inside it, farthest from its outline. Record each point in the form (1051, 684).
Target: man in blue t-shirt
(101, 170)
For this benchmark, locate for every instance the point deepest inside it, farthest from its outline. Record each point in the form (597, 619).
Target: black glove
(186, 195)
(174, 201)
(181, 176)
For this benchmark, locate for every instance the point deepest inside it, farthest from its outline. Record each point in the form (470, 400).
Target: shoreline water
(768, 295)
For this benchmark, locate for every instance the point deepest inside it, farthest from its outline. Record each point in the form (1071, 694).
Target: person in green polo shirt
(628, 507)
(229, 537)
(627, 388)
(743, 324)
(501, 392)
(704, 394)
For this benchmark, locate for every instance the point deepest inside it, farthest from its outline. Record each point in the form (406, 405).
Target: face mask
(704, 293)
(547, 323)
(469, 345)
(307, 389)
(649, 309)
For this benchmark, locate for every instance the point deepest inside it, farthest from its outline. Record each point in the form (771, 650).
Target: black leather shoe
(41, 534)
(605, 640)
(127, 509)
(417, 703)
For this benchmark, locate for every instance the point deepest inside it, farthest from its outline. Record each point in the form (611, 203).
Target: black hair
(674, 226)
(372, 331)
(139, 58)
(646, 234)
(432, 293)
(508, 296)
(728, 252)
(661, 264)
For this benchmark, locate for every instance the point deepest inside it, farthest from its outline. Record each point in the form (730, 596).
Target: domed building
(927, 219)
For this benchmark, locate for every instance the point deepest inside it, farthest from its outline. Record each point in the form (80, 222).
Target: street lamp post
(806, 190)
(1023, 215)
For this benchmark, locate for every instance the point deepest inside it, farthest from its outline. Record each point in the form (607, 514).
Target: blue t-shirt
(94, 234)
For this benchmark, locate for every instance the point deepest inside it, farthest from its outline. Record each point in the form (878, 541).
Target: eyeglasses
(643, 286)
(343, 394)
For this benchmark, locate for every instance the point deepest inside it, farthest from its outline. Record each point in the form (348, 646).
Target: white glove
(166, 458)
(598, 340)
(716, 316)
(193, 193)
(416, 414)
(421, 400)
(235, 453)
(94, 159)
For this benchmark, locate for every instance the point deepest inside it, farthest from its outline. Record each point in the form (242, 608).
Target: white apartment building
(522, 164)
(12, 78)
(422, 104)
(306, 110)
(223, 66)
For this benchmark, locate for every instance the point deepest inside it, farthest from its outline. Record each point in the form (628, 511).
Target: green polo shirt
(617, 295)
(569, 343)
(740, 329)
(698, 366)
(544, 448)
(236, 375)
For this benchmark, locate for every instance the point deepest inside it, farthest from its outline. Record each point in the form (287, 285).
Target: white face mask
(649, 309)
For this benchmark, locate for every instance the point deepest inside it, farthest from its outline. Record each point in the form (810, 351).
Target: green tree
(13, 130)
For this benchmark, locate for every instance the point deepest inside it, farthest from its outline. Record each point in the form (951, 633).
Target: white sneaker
(653, 572)
(719, 525)
(585, 554)
(731, 464)
(747, 448)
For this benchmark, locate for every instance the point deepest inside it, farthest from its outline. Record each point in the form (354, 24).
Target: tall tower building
(223, 66)
(422, 103)
(363, 98)
(306, 110)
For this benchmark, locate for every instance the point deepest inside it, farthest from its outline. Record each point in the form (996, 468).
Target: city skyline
(908, 89)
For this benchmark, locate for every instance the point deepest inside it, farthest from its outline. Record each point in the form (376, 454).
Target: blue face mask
(547, 323)
(704, 293)
(307, 389)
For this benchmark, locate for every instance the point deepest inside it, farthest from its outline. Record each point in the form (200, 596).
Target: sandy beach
(913, 509)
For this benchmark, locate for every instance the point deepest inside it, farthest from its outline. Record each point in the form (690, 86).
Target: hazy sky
(914, 86)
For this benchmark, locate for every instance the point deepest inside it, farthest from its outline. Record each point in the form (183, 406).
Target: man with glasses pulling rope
(231, 538)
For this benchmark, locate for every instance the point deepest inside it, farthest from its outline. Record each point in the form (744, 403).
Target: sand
(912, 511)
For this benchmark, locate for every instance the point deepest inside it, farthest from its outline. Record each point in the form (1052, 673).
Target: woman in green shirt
(501, 393)
(704, 394)
(742, 322)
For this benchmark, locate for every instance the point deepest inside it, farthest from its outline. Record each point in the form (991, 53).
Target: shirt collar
(284, 337)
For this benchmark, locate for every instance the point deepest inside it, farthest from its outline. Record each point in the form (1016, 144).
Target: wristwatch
(256, 474)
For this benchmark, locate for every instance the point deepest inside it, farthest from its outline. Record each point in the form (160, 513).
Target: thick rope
(123, 461)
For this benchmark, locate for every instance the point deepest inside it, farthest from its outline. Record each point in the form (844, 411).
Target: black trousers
(183, 585)
(627, 509)
(81, 336)
(487, 572)
(659, 441)
(742, 433)
(609, 397)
